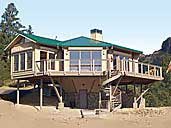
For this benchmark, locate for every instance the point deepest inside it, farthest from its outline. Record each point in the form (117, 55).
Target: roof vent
(96, 34)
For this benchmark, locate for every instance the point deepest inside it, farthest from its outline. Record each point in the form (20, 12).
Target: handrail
(46, 65)
(122, 65)
(135, 67)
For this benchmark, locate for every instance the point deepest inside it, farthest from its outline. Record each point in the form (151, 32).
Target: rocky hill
(160, 92)
(161, 56)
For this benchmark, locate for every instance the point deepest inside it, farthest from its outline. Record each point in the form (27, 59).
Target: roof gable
(84, 42)
(35, 39)
(88, 42)
(43, 40)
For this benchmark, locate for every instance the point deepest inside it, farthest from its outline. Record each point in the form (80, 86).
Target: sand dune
(24, 116)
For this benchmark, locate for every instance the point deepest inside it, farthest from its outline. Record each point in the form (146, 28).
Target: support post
(110, 101)
(100, 100)
(141, 88)
(126, 88)
(135, 105)
(61, 92)
(41, 93)
(60, 104)
(18, 93)
(134, 90)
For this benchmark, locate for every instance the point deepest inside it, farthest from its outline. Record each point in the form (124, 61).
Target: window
(22, 61)
(89, 60)
(16, 64)
(74, 60)
(96, 57)
(85, 60)
(29, 60)
(52, 61)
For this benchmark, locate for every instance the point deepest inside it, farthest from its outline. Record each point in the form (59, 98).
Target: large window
(29, 60)
(16, 60)
(87, 60)
(20, 61)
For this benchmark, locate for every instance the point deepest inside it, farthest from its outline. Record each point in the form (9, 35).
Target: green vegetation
(160, 92)
(9, 26)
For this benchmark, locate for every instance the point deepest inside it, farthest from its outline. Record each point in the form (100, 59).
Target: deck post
(61, 92)
(41, 93)
(134, 90)
(100, 100)
(141, 88)
(110, 101)
(161, 72)
(18, 93)
(126, 88)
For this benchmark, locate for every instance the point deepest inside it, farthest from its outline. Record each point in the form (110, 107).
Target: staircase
(112, 78)
(116, 99)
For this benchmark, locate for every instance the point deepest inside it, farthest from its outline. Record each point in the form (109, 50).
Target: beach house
(84, 72)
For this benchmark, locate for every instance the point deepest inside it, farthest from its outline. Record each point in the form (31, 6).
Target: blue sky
(138, 24)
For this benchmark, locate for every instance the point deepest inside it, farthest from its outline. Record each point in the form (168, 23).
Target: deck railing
(97, 65)
(74, 65)
(138, 68)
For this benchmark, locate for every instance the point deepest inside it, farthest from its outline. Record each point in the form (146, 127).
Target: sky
(137, 24)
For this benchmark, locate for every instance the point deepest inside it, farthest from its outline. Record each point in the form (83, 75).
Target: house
(81, 69)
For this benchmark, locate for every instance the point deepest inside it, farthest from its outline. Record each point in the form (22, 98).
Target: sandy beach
(24, 116)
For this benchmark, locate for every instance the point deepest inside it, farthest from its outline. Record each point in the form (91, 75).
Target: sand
(25, 116)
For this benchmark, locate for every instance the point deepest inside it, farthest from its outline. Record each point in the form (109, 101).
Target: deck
(61, 67)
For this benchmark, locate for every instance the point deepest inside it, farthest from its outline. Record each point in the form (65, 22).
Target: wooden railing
(97, 65)
(139, 68)
(77, 65)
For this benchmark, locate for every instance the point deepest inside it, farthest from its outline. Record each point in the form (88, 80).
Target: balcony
(138, 69)
(98, 67)
(95, 67)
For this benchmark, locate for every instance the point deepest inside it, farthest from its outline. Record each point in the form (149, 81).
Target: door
(43, 65)
(83, 98)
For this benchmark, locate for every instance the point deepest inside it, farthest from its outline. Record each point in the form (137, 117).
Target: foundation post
(141, 88)
(41, 93)
(126, 88)
(135, 105)
(134, 90)
(18, 93)
(142, 103)
(100, 100)
(110, 101)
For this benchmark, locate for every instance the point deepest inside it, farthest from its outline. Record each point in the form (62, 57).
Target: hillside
(160, 92)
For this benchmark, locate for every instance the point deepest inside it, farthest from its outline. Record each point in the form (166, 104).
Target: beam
(41, 93)
(56, 90)
(18, 93)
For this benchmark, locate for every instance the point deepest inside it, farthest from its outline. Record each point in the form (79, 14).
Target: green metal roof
(76, 42)
(128, 49)
(43, 40)
(84, 42)
(88, 42)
